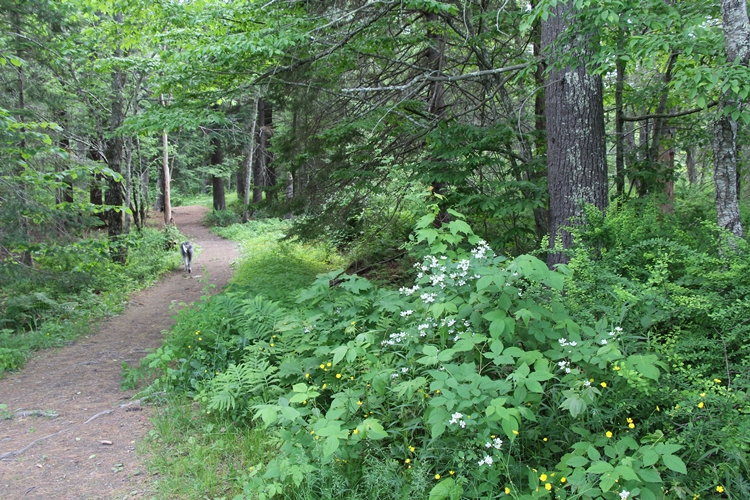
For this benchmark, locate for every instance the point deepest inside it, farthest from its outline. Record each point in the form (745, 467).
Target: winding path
(87, 451)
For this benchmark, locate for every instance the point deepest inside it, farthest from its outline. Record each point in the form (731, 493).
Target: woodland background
(586, 160)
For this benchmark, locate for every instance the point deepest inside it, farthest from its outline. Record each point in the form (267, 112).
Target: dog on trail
(186, 249)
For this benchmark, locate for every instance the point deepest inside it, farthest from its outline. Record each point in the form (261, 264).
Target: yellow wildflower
(608, 434)
(720, 489)
(437, 476)
(701, 405)
(507, 490)
(543, 477)
(603, 384)
(547, 486)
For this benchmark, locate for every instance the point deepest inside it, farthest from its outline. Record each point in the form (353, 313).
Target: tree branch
(668, 115)
(430, 78)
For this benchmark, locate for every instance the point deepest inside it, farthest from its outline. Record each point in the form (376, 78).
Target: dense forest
(526, 218)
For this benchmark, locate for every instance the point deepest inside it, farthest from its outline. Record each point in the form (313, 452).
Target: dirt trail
(72, 456)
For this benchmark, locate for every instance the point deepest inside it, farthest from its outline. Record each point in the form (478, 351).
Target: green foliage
(220, 218)
(481, 378)
(195, 456)
(273, 267)
(69, 286)
(673, 279)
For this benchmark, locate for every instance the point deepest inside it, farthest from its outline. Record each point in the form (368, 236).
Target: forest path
(88, 450)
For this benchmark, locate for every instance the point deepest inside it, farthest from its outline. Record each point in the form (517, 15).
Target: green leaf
(577, 461)
(446, 488)
(330, 445)
(674, 463)
(645, 365)
(600, 467)
(650, 475)
(339, 353)
(650, 457)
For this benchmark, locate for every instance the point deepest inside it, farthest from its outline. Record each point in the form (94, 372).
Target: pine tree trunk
(576, 154)
(114, 196)
(217, 182)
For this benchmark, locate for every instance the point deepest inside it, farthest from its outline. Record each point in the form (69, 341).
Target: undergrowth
(621, 375)
(69, 287)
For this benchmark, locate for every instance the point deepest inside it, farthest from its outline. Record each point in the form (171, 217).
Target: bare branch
(668, 115)
(431, 78)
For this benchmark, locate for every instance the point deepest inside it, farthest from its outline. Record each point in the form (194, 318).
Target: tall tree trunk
(217, 182)
(128, 181)
(435, 56)
(114, 196)
(576, 153)
(536, 174)
(166, 174)
(690, 165)
(249, 163)
(620, 64)
(666, 161)
(737, 42)
(266, 133)
(259, 163)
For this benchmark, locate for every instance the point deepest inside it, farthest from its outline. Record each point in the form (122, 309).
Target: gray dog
(186, 249)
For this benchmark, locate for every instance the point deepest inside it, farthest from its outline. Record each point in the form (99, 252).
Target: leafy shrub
(70, 285)
(480, 380)
(221, 218)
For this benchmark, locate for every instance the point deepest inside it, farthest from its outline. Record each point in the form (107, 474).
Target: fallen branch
(5, 456)
(36, 413)
(98, 415)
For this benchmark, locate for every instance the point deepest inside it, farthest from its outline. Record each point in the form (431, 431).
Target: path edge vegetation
(73, 286)
(480, 378)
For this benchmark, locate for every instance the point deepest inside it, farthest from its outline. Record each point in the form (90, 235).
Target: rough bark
(737, 42)
(114, 196)
(541, 214)
(217, 182)
(435, 55)
(690, 165)
(576, 154)
(620, 65)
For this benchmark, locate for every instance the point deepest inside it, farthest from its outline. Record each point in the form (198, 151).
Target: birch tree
(737, 42)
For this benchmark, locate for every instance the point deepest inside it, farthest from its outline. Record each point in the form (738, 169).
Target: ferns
(252, 381)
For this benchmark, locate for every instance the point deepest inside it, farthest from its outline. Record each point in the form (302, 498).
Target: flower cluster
(394, 338)
(457, 418)
(496, 443)
(487, 460)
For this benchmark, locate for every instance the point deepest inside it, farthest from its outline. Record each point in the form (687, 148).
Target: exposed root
(8, 455)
